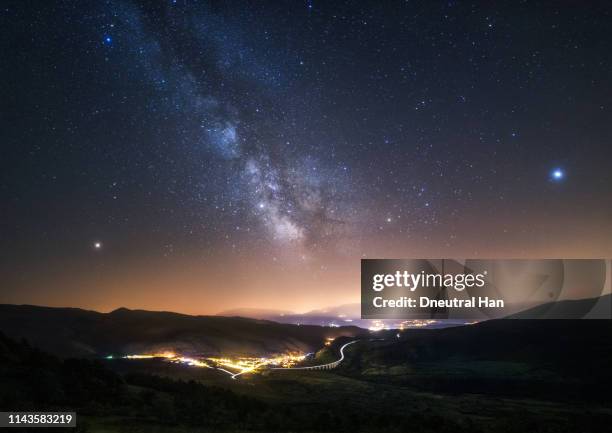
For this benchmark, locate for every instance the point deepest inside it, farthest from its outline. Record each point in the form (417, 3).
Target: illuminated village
(232, 366)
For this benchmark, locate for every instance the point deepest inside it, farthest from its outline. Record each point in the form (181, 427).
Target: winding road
(328, 366)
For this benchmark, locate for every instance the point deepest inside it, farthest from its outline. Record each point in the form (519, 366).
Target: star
(97, 245)
(557, 175)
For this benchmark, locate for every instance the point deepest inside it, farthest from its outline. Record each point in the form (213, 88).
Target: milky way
(217, 92)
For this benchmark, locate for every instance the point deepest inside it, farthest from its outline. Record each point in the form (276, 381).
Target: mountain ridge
(73, 332)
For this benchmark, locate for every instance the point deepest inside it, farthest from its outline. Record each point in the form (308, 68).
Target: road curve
(327, 366)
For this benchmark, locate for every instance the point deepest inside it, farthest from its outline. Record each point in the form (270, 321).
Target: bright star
(108, 40)
(97, 245)
(557, 174)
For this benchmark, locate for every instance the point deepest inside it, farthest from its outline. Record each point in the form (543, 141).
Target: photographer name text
(412, 281)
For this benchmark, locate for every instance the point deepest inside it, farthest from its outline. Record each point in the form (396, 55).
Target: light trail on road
(322, 366)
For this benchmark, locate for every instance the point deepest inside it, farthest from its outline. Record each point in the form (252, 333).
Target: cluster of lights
(234, 367)
(167, 355)
(416, 323)
(192, 362)
(377, 325)
(248, 364)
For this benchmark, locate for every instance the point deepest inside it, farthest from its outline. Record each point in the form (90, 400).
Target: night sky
(198, 156)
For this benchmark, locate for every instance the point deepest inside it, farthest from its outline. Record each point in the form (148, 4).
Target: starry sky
(198, 156)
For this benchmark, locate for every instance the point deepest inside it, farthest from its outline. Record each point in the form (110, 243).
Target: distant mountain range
(74, 332)
(80, 333)
(350, 314)
(591, 308)
(341, 315)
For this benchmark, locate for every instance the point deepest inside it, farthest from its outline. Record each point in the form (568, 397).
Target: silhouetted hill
(33, 380)
(74, 332)
(592, 308)
(255, 313)
(346, 314)
(555, 358)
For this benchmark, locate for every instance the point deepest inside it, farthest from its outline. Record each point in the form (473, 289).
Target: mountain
(255, 313)
(592, 308)
(341, 315)
(348, 310)
(546, 358)
(74, 332)
(334, 316)
(34, 380)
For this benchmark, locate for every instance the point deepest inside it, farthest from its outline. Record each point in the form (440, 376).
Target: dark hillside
(552, 358)
(73, 332)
